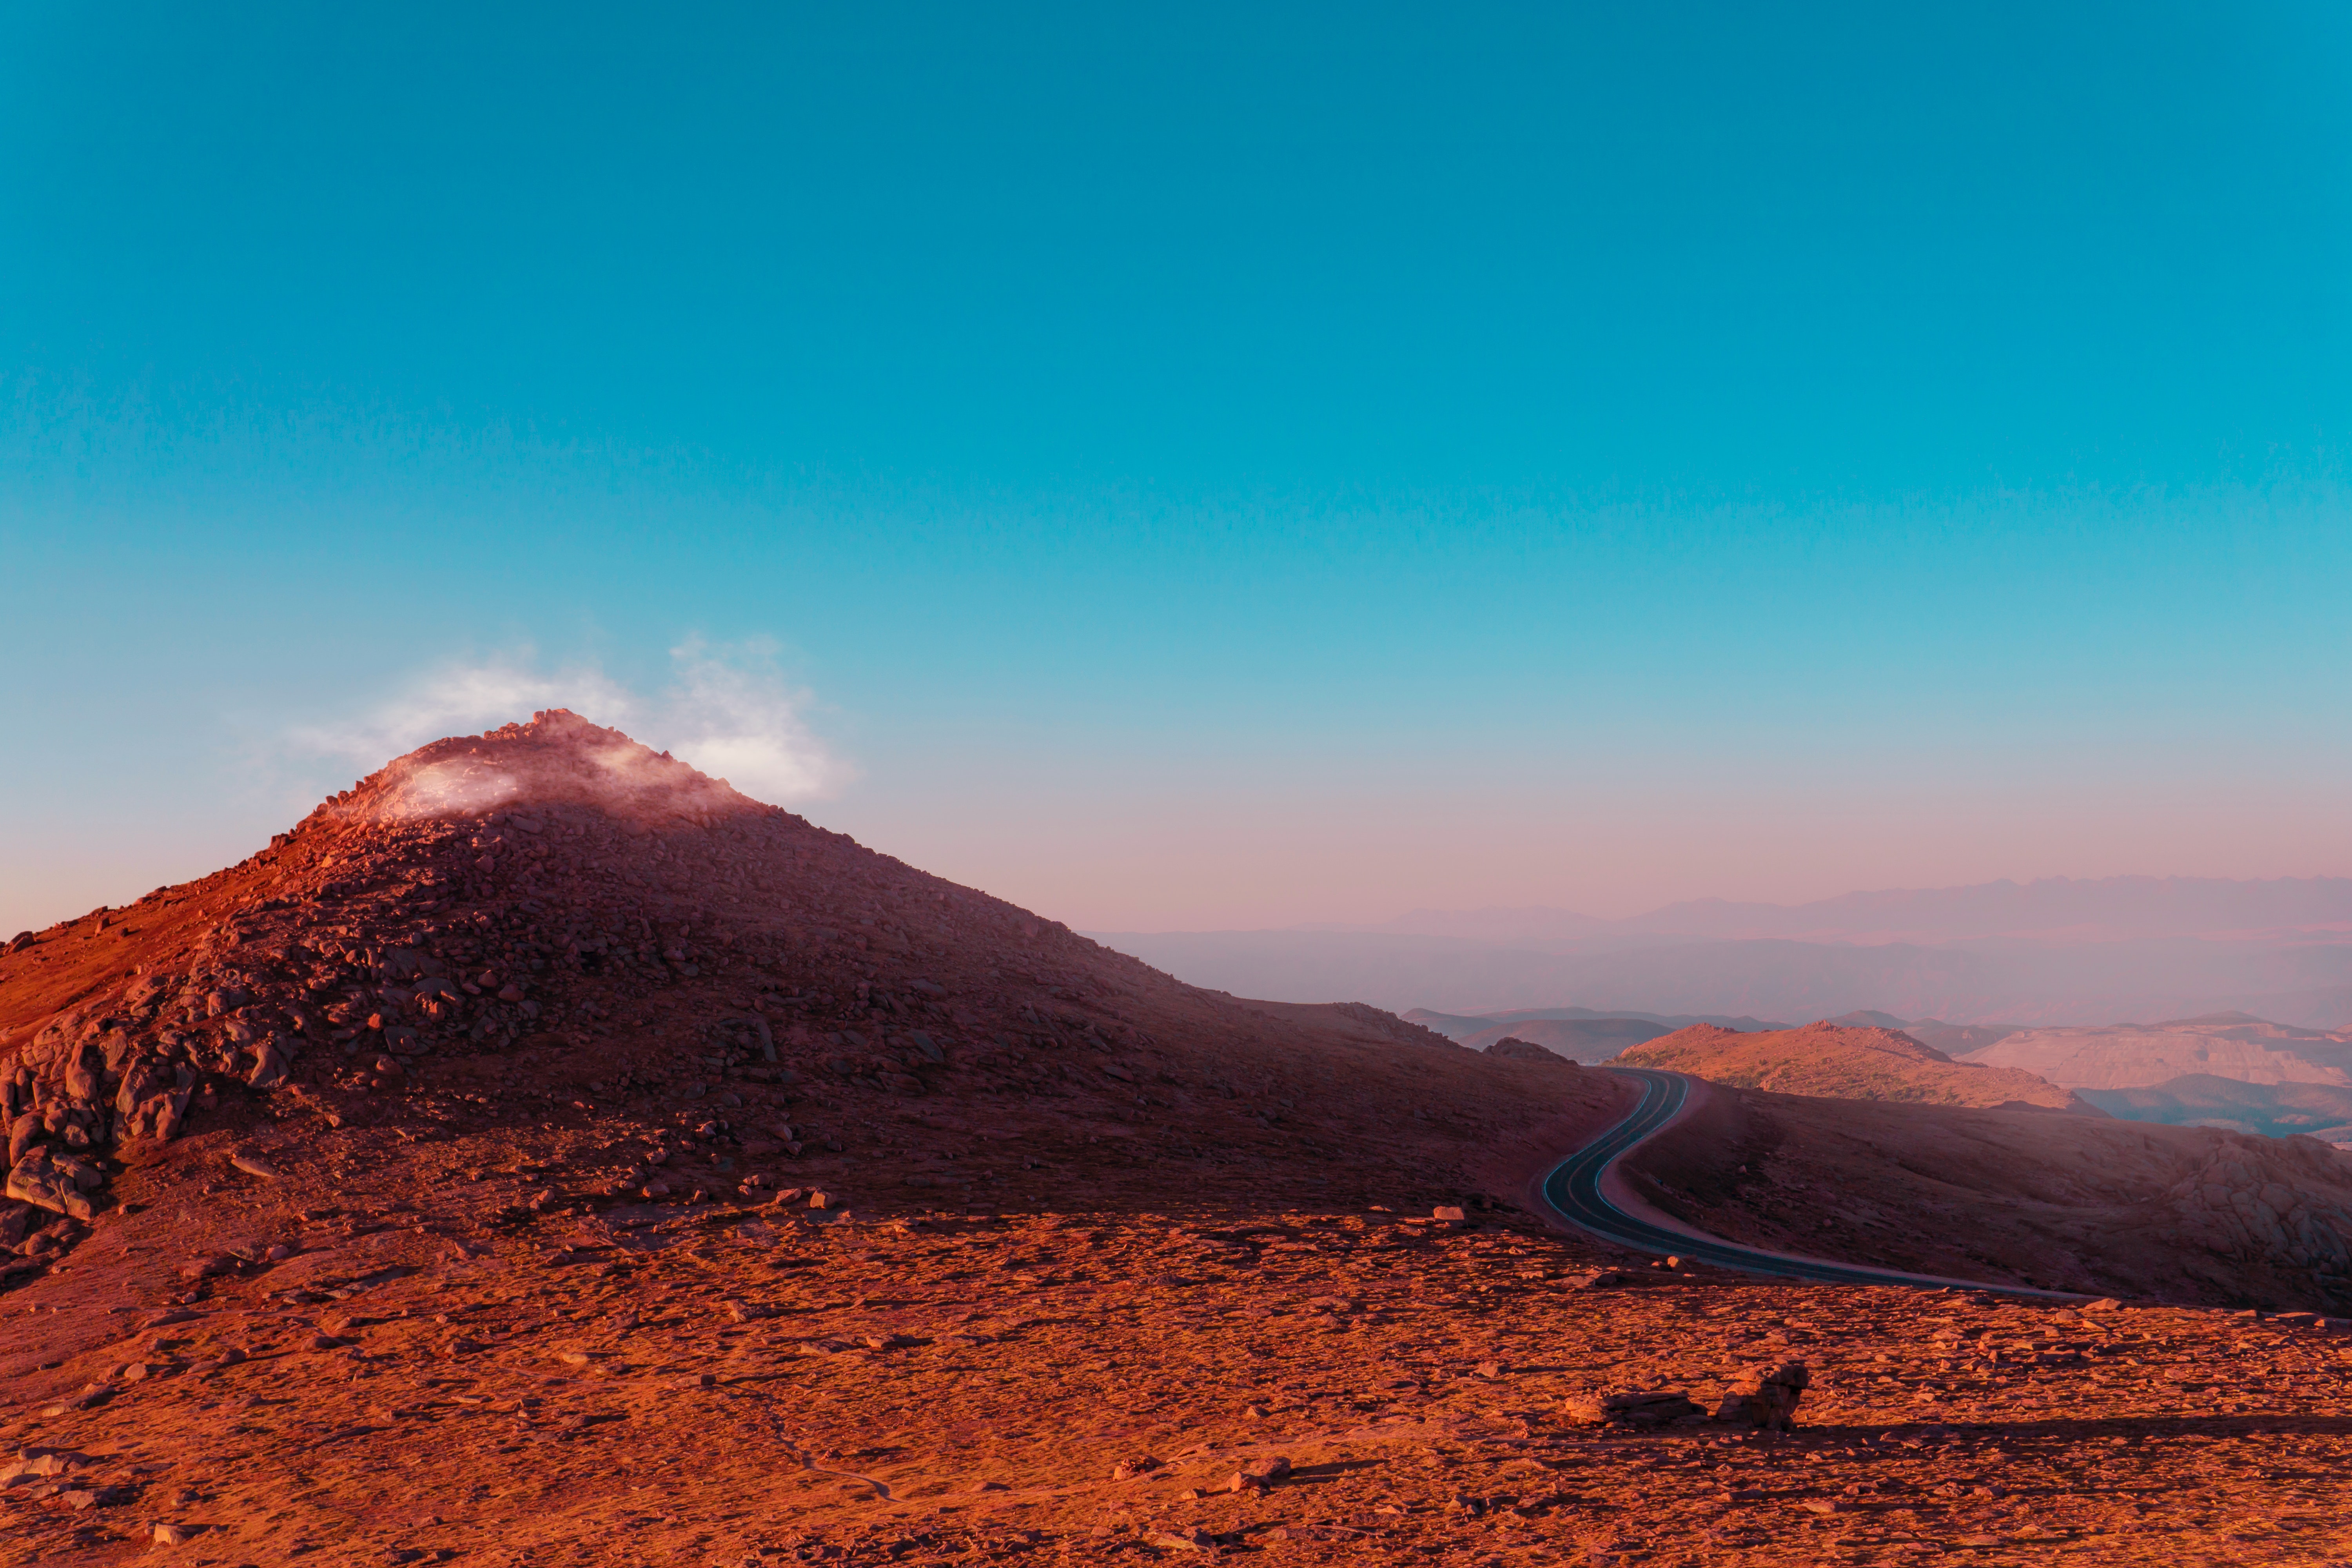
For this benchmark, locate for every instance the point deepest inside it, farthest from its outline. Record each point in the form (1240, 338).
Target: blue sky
(1244, 466)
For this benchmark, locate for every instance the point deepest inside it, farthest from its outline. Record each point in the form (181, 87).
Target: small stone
(1257, 1475)
(1189, 1541)
(1447, 1212)
(175, 1534)
(1598, 1280)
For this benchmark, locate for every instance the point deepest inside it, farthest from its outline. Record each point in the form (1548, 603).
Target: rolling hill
(1843, 1063)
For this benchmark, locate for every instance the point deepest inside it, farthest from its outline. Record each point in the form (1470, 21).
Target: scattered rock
(36, 1464)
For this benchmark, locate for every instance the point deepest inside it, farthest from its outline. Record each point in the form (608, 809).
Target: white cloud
(462, 699)
(729, 711)
(732, 714)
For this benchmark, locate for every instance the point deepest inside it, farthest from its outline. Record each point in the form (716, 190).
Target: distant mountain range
(2057, 909)
(2053, 952)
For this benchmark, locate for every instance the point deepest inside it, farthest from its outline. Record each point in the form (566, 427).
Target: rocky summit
(543, 1153)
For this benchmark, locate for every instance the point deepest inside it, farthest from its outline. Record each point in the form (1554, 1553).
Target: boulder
(1765, 1395)
(159, 1116)
(59, 1183)
(23, 1133)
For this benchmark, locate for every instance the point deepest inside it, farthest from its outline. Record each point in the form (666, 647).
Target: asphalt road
(1573, 1191)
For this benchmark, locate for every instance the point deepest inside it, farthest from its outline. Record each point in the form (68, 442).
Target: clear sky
(1241, 466)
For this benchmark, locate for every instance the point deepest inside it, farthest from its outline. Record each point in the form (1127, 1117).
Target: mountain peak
(558, 758)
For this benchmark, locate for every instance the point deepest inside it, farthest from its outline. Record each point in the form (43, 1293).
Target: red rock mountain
(551, 922)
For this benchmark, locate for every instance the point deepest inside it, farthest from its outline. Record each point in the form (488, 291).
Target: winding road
(1572, 1191)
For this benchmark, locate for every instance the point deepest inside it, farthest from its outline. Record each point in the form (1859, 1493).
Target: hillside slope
(2072, 1203)
(1839, 1063)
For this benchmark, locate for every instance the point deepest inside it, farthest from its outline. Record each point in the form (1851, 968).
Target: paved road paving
(1573, 1191)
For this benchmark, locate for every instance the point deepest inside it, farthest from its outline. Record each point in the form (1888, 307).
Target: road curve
(1571, 1189)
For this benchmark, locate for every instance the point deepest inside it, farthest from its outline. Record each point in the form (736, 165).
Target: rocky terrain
(2132, 1056)
(1846, 1063)
(543, 1153)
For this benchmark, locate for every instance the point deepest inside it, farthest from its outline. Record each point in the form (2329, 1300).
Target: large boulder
(55, 1182)
(1765, 1395)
